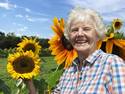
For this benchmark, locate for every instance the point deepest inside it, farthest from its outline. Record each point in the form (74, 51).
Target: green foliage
(8, 41)
(8, 85)
(4, 88)
(118, 35)
(5, 52)
(53, 78)
(40, 85)
(110, 30)
(44, 43)
(45, 52)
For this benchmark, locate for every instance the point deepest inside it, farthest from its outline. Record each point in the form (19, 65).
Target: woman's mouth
(81, 42)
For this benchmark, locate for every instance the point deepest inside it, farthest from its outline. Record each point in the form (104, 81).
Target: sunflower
(60, 46)
(114, 41)
(112, 45)
(23, 65)
(109, 43)
(29, 44)
(117, 23)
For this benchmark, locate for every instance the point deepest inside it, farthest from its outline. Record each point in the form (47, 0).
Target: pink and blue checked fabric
(102, 73)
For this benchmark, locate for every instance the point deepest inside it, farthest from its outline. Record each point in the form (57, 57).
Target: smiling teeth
(81, 41)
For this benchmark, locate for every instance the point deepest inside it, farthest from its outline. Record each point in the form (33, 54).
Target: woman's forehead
(83, 23)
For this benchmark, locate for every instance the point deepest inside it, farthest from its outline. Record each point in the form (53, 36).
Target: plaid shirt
(102, 73)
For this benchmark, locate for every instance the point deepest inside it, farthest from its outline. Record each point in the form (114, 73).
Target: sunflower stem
(57, 68)
(18, 91)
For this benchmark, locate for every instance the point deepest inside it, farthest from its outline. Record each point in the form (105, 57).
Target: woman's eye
(86, 28)
(74, 29)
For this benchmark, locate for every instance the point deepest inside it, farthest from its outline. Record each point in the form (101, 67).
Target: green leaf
(54, 78)
(4, 88)
(118, 35)
(40, 85)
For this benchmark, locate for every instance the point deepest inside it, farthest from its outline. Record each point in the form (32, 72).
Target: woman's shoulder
(114, 59)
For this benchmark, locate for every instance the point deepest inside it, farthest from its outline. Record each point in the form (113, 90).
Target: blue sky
(34, 17)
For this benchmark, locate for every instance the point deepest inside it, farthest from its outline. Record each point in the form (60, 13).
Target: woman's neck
(82, 56)
(81, 61)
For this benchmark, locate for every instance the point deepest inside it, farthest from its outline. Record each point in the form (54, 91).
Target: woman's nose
(80, 31)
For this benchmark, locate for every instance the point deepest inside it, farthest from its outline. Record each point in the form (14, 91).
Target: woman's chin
(82, 49)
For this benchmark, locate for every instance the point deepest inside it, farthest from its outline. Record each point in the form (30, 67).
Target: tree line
(10, 40)
(8, 43)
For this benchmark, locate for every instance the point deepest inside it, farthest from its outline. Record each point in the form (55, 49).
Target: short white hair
(82, 14)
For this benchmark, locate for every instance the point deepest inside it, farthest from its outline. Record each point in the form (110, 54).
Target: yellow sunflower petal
(61, 55)
(55, 21)
(55, 46)
(59, 46)
(74, 54)
(29, 44)
(110, 37)
(56, 30)
(109, 46)
(58, 26)
(99, 44)
(119, 43)
(62, 22)
(57, 50)
(69, 59)
(62, 60)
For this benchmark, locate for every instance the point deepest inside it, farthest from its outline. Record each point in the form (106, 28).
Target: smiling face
(83, 37)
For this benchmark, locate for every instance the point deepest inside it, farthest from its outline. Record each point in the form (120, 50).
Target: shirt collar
(91, 58)
(88, 62)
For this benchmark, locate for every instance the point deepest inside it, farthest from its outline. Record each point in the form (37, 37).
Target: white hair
(82, 14)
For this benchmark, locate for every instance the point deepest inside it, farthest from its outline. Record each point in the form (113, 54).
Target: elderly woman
(93, 71)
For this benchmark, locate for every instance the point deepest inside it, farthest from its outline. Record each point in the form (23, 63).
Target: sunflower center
(67, 45)
(117, 24)
(29, 47)
(23, 64)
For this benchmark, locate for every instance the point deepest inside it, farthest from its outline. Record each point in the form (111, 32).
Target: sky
(34, 17)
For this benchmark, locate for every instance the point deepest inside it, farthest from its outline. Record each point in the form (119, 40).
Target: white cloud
(7, 5)
(32, 12)
(19, 16)
(110, 16)
(27, 10)
(28, 18)
(35, 19)
(31, 18)
(23, 29)
(17, 24)
(109, 9)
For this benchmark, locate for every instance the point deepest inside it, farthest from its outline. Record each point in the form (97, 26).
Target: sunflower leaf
(119, 35)
(4, 89)
(54, 78)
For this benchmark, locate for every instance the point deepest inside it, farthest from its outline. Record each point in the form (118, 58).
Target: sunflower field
(30, 66)
(10, 86)
(23, 64)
